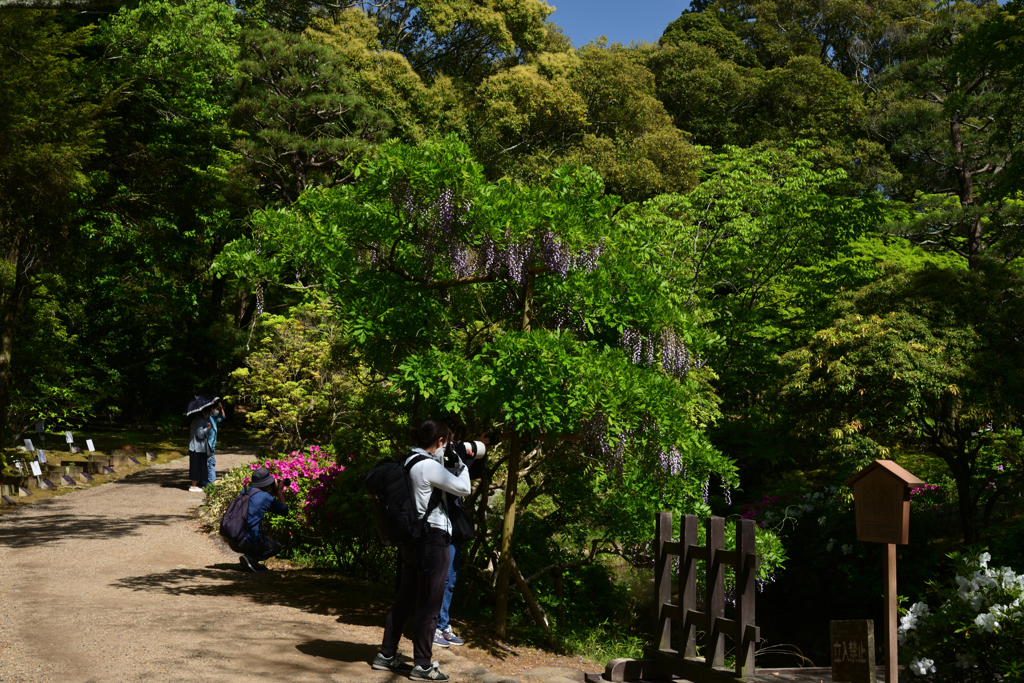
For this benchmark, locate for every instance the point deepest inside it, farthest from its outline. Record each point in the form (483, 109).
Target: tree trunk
(528, 301)
(505, 559)
(967, 505)
(965, 191)
(13, 296)
(511, 491)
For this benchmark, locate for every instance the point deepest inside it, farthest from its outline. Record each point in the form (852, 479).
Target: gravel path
(117, 583)
(113, 583)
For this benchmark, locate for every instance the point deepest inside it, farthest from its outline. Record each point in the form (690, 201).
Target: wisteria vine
(442, 231)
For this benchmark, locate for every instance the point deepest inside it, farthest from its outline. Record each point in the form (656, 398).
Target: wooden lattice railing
(682, 660)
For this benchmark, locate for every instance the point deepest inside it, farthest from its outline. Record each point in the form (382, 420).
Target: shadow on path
(348, 653)
(28, 531)
(339, 650)
(352, 602)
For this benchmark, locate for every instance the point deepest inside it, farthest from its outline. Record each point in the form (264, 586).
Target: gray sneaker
(439, 639)
(393, 663)
(433, 673)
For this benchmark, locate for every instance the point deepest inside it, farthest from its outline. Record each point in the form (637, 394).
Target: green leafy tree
(940, 118)
(514, 307)
(293, 378)
(467, 40)
(307, 126)
(48, 132)
(597, 107)
(919, 361)
(166, 195)
(757, 217)
(858, 39)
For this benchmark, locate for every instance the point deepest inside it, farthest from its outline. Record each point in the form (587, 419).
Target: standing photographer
(256, 546)
(425, 562)
(471, 454)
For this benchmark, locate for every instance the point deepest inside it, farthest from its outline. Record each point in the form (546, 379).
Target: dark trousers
(260, 550)
(424, 572)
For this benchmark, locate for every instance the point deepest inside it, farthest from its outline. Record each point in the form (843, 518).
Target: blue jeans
(211, 469)
(449, 588)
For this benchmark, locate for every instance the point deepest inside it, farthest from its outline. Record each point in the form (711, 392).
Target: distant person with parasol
(198, 440)
(216, 417)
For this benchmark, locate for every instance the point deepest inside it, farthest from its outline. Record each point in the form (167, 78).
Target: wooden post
(714, 603)
(891, 667)
(746, 588)
(662, 580)
(687, 646)
(508, 525)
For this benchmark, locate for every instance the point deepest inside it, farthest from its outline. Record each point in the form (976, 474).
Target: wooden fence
(684, 617)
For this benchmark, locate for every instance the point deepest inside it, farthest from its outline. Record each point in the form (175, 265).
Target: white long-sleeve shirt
(429, 474)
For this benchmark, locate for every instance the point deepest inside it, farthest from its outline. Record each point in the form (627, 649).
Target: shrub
(311, 473)
(297, 386)
(329, 519)
(976, 633)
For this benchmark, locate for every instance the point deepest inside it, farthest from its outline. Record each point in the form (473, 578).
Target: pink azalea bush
(312, 473)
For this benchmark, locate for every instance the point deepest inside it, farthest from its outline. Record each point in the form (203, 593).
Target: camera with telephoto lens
(284, 483)
(464, 452)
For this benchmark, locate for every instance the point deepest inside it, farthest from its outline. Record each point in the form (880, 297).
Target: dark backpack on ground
(233, 525)
(391, 498)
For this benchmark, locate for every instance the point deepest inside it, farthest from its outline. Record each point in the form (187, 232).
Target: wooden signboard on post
(881, 502)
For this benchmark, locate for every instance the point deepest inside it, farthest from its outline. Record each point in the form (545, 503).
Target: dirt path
(115, 583)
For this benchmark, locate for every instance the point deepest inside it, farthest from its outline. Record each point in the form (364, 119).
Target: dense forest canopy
(782, 238)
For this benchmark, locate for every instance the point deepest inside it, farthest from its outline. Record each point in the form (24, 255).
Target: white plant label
(89, 446)
(40, 427)
(36, 470)
(70, 439)
(29, 446)
(41, 455)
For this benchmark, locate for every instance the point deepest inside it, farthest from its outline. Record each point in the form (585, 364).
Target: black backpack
(232, 524)
(394, 510)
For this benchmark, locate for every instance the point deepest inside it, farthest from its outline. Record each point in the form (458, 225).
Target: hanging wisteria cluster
(441, 231)
(671, 461)
(598, 440)
(514, 259)
(668, 347)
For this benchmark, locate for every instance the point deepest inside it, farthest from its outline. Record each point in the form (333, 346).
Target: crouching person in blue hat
(257, 547)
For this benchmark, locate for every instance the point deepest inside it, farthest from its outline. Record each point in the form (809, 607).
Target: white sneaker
(194, 489)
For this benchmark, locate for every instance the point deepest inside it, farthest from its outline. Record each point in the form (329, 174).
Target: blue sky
(621, 20)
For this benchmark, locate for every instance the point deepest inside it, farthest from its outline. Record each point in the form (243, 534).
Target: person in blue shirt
(257, 546)
(216, 417)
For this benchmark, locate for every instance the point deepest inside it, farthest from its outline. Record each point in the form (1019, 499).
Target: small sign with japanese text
(853, 651)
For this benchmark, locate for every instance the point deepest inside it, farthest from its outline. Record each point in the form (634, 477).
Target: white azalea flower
(966, 661)
(922, 667)
(847, 549)
(831, 544)
(986, 622)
